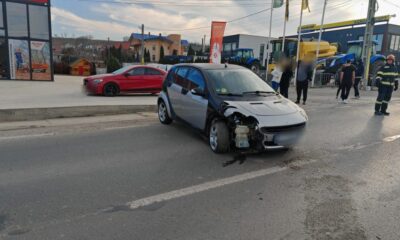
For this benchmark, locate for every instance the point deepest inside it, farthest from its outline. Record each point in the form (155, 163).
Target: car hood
(99, 76)
(264, 108)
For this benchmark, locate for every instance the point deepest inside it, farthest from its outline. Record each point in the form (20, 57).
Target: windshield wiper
(231, 94)
(259, 92)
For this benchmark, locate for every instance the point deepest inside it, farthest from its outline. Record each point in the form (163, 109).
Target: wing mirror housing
(198, 92)
(126, 75)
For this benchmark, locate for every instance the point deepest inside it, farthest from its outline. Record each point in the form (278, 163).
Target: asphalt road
(137, 179)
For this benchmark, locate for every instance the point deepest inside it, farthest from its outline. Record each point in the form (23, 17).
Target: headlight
(97, 81)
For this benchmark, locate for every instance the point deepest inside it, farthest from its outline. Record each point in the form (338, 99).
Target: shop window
(19, 59)
(40, 52)
(396, 43)
(17, 20)
(39, 22)
(1, 16)
(392, 41)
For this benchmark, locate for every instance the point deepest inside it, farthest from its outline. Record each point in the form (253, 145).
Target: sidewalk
(65, 91)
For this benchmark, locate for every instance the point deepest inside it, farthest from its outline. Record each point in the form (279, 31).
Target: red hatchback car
(131, 79)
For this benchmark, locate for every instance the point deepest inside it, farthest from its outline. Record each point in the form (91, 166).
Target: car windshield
(122, 70)
(237, 82)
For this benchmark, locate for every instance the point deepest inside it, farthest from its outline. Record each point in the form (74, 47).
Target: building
(171, 45)
(81, 67)
(257, 43)
(385, 34)
(25, 34)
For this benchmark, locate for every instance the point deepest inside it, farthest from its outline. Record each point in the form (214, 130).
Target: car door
(194, 107)
(134, 80)
(178, 86)
(154, 79)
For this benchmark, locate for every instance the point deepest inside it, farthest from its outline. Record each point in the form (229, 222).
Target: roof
(211, 66)
(123, 45)
(78, 61)
(185, 43)
(147, 37)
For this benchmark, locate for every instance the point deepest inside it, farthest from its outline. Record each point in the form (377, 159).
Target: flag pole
(284, 32)
(269, 41)
(319, 42)
(298, 42)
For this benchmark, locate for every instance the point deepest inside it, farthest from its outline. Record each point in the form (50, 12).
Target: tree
(191, 51)
(161, 53)
(146, 55)
(113, 64)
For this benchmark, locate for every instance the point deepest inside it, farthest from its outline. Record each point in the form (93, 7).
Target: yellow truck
(308, 50)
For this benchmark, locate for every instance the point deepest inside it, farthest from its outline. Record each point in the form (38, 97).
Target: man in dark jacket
(347, 78)
(359, 73)
(304, 75)
(287, 75)
(386, 81)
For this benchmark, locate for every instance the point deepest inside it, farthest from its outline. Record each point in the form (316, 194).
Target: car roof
(147, 66)
(210, 66)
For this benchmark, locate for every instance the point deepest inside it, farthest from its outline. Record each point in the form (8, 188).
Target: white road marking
(27, 136)
(391, 139)
(209, 185)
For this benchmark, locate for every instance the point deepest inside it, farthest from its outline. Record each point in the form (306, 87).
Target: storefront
(25, 40)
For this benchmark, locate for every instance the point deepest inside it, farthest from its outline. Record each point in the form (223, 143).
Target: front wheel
(110, 90)
(163, 113)
(255, 67)
(219, 137)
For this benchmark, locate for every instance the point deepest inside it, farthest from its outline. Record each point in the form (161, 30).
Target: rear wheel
(219, 137)
(163, 113)
(110, 90)
(255, 67)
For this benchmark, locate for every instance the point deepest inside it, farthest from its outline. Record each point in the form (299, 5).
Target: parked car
(232, 106)
(130, 79)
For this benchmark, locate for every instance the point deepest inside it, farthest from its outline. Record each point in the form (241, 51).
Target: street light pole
(319, 42)
(142, 49)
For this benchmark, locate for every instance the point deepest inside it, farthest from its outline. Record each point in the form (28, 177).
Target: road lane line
(27, 136)
(209, 185)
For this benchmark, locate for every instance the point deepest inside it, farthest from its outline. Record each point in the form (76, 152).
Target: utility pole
(142, 49)
(204, 44)
(369, 31)
(269, 42)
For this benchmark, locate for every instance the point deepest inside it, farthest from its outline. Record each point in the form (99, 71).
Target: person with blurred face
(347, 79)
(304, 75)
(386, 81)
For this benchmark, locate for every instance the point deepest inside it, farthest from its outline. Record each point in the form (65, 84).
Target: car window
(171, 75)
(151, 71)
(137, 71)
(180, 78)
(196, 79)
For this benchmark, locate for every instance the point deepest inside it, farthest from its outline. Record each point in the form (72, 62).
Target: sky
(116, 19)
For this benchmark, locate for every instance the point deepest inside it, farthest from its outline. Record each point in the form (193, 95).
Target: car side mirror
(198, 92)
(126, 74)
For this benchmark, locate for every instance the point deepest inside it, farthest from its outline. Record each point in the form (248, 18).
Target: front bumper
(91, 88)
(280, 137)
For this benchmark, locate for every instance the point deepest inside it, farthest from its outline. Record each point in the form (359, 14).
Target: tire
(219, 137)
(163, 113)
(110, 90)
(255, 67)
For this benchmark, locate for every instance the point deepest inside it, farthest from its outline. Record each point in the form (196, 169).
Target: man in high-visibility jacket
(386, 81)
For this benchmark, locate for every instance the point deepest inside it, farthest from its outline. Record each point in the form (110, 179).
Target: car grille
(282, 128)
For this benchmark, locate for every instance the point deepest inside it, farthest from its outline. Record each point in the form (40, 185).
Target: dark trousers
(302, 87)
(345, 90)
(356, 90)
(384, 96)
(284, 91)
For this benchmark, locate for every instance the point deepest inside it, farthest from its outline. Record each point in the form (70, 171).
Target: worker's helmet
(391, 57)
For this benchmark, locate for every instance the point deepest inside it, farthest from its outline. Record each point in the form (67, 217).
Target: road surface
(101, 178)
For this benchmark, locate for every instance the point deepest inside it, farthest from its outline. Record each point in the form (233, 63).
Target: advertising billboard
(217, 35)
(19, 59)
(40, 52)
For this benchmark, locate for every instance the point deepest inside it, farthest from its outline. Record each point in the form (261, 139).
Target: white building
(257, 43)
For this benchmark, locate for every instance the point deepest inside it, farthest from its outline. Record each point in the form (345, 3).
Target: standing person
(304, 75)
(386, 82)
(359, 73)
(287, 75)
(347, 78)
(276, 76)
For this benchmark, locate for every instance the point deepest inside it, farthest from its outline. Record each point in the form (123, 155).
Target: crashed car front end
(264, 125)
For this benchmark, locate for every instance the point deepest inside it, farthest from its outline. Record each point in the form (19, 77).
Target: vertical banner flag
(217, 35)
(305, 5)
(287, 11)
(278, 3)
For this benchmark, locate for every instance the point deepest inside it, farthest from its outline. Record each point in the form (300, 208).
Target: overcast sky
(103, 18)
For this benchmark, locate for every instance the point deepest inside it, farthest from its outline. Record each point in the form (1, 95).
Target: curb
(33, 114)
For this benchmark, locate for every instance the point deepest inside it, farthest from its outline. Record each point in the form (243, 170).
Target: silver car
(232, 106)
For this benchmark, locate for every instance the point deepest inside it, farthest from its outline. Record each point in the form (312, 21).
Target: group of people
(283, 73)
(349, 76)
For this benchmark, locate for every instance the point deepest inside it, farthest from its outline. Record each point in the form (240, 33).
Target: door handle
(184, 91)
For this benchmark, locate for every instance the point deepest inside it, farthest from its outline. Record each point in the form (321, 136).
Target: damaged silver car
(232, 106)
